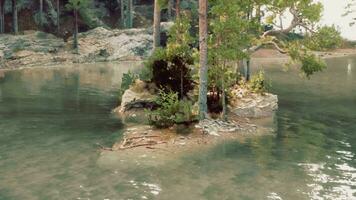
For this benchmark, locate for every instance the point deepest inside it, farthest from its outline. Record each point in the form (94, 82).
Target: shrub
(127, 80)
(258, 83)
(170, 111)
(169, 68)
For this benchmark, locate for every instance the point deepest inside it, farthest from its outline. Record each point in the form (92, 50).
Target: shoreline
(175, 141)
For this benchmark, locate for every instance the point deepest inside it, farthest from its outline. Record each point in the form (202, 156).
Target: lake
(52, 120)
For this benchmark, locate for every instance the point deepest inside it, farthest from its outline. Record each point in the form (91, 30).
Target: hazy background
(333, 10)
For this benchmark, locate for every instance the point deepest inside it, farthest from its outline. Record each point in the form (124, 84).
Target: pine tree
(76, 6)
(2, 16)
(156, 24)
(15, 26)
(203, 63)
(58, 15)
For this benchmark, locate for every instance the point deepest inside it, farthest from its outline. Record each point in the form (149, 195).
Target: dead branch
(140, 145)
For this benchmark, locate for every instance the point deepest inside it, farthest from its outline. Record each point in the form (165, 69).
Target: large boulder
(134, 102)
(253, 105)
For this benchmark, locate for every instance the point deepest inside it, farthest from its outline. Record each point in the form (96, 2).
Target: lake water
(51, 120)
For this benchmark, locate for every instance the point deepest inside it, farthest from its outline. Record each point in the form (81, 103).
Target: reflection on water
(51, 119)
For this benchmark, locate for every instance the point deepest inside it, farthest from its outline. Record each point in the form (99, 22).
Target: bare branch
(295, 22)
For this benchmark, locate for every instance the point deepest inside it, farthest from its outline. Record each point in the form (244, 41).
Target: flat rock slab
(255, 105)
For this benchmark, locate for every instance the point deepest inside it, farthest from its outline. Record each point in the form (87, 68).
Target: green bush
(127, 80)
(170, 68)
(170, 111)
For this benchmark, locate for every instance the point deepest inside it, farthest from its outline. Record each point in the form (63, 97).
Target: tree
(58, 15)
(76, 6)
(169, 9)
(228, 34)
(127, 13)
(156, 24)
(15, 26)
(239, 25)
(325, 38)
(41, 14)
(177, 8)
(305, 14)
(203, 61)
(2, 16)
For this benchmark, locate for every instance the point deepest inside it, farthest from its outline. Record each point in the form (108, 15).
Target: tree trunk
(258, 13)
(41, 14)
(156, 25)
(15, 26)
(75, 34)
(130, 14)
(224, 112)
(181, 82)
(122, 12)
(169, 9)
(2, 16)
(127, 10)
(247, 68)
(203, 63)
(58, 16)
(177, 9)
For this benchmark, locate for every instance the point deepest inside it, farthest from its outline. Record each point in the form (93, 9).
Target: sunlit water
(52, 118)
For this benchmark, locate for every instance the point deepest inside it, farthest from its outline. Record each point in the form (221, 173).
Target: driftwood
(104, 148)
(133, 142)
(151, 143)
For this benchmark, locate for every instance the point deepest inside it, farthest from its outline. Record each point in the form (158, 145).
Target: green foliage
(326, 38)
(258, 83)
(170, 111)
(37, 17)
(310, 63)
(77, 4)
(127, 80)
(179, 40)
(147, 72)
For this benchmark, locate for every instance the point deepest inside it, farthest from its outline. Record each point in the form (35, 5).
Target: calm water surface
(52, 118)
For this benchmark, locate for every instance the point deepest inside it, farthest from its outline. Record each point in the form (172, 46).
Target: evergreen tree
(41, 13)
(76, 6)
(58, 15)
(15, 26)
(127, 10)
(2, 16)
(156, 24)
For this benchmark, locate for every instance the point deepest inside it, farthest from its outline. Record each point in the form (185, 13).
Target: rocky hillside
(35, 48)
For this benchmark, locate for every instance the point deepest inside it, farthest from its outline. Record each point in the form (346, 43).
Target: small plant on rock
(258, 83)
(170, 111)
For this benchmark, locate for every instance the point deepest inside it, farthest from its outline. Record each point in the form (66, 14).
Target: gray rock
(256, 106)
(99, 44)
(133, 104)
